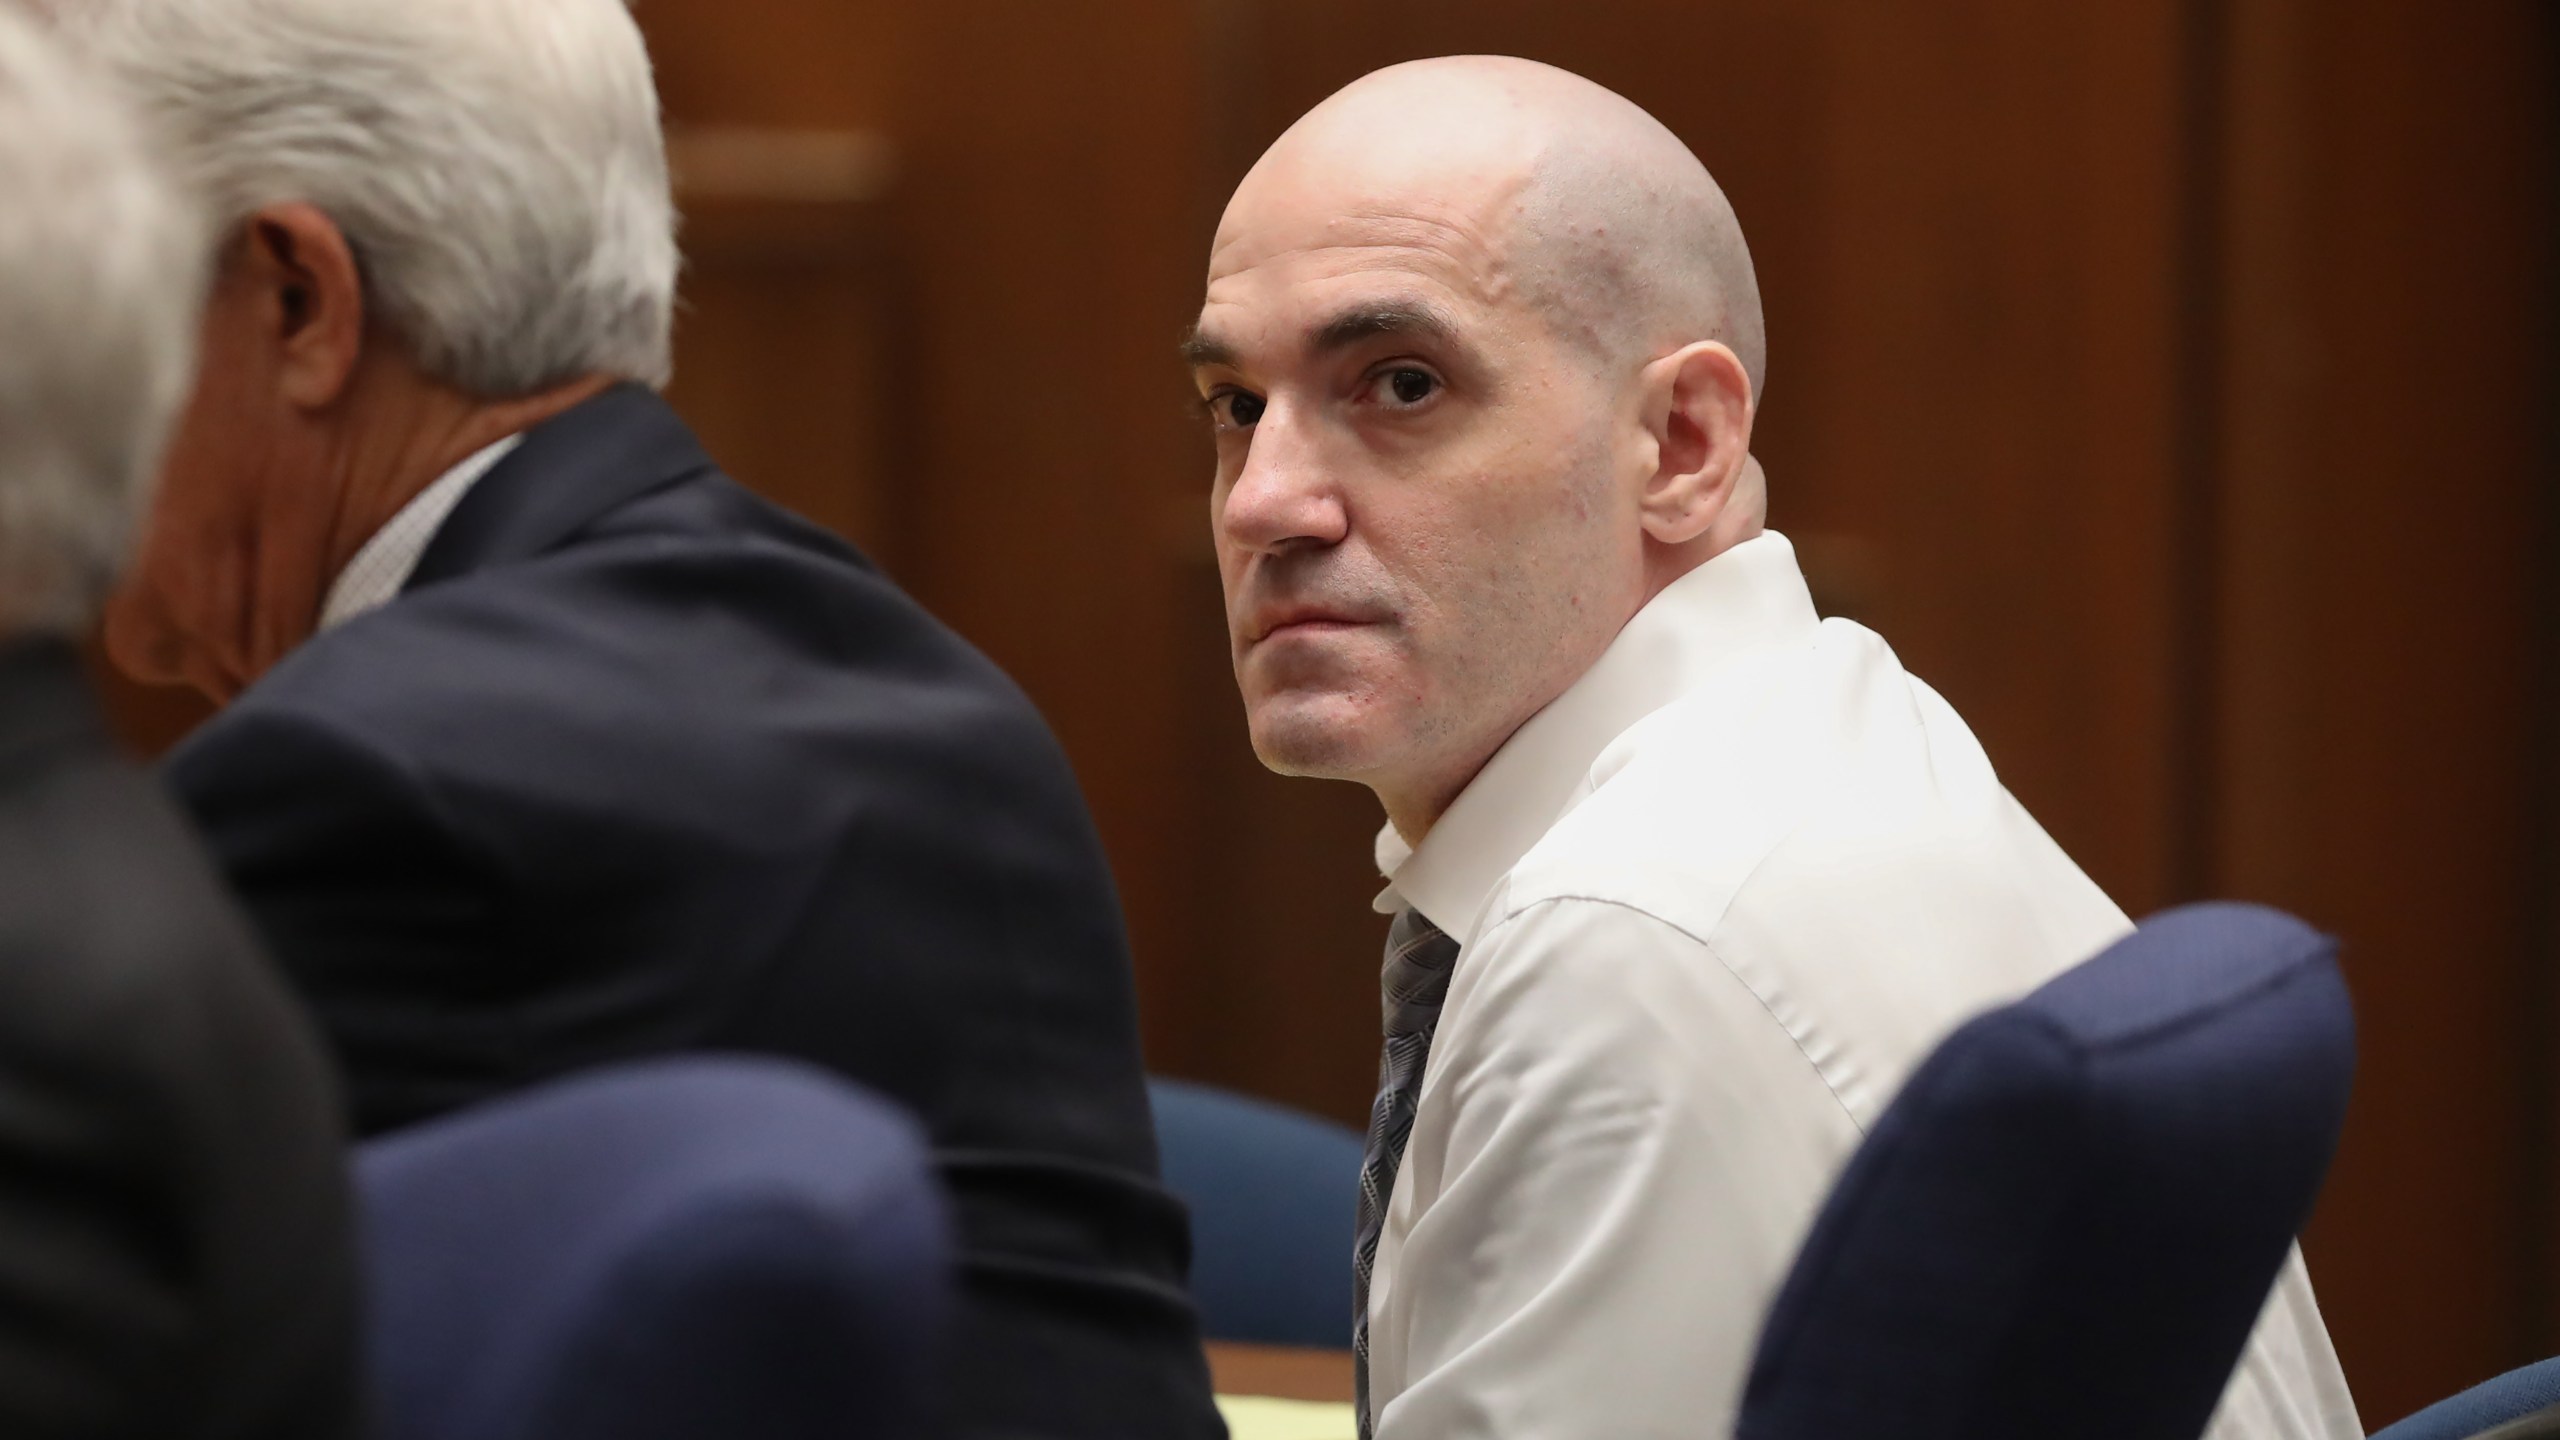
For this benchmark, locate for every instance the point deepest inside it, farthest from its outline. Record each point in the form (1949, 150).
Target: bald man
(1685, 880)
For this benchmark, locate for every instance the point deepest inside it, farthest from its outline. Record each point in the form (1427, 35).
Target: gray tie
(1419, 958)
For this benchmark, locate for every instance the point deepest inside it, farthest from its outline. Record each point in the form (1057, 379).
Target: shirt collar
(374, 577)
(1751, 597)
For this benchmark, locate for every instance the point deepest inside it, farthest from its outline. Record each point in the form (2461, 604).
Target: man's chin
(1316, 739)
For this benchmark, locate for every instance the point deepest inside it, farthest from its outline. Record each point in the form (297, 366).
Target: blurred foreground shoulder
(176, 1251)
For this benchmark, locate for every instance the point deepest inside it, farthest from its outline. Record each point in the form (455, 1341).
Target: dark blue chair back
(1273, 1196)
(2517, 1405)
(2068, 1220)
(675, 1250)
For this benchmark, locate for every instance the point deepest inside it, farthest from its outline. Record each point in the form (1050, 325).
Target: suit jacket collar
(45, 702)
(572, 468)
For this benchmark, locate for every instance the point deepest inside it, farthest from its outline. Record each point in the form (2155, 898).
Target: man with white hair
(547, 745)
(1686, 880)
(176, 1256)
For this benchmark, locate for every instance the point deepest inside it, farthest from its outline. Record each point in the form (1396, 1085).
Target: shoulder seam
(1710, 947)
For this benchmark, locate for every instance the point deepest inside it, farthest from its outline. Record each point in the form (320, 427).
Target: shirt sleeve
(2288, 1385)
(1617, 1151)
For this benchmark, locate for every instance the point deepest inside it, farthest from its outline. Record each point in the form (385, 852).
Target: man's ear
(1697, 404)
(309, 297)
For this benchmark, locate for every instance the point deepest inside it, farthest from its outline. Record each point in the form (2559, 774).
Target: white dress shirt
(374, 577)
(1713, 905)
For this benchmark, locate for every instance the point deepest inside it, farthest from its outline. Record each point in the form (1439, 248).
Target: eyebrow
(1416, 318)
(1201, 349)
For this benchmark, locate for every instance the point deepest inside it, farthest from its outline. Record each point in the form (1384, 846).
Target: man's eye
(1238, 408)
(1411, 387)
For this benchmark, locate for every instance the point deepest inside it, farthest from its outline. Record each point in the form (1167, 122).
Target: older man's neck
(417, 430)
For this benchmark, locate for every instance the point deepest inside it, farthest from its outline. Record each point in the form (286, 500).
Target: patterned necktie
(1419, 958)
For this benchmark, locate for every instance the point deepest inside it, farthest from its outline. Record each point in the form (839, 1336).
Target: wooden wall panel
(793, 293)
(1049, 209)
(2386, 317)
(793, 311)
(780, 64)
(783, 377)
(1994, 417)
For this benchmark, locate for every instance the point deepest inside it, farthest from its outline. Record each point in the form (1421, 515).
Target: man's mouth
(1303, 620)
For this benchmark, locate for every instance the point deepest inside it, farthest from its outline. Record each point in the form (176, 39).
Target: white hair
(102, 262)
(496, 165)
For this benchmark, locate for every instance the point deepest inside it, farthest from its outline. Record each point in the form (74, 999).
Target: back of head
(101, 272)
(495, 165)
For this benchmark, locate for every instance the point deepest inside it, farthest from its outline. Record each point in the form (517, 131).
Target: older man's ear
(300, 286)
(1696, 405)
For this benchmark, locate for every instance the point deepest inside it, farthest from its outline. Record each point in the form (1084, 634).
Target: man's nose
(1286, 494)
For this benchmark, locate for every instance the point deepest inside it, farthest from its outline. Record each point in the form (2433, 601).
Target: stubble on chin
(1320, 736)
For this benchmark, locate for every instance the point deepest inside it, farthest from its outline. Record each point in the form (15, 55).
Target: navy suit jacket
(640, 763)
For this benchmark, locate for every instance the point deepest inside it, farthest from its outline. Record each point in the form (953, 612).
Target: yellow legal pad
(1251, 1417)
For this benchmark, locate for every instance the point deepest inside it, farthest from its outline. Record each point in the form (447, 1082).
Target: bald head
(1587, 209)
(1480, 348)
